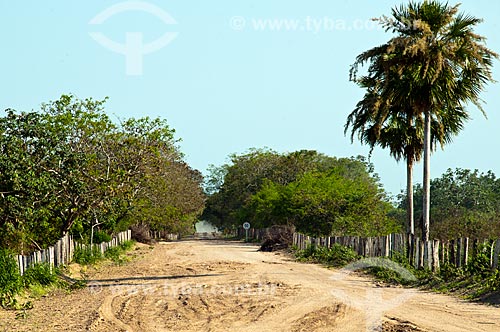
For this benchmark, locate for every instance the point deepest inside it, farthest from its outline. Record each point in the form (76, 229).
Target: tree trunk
(409, 196)
(427, 182)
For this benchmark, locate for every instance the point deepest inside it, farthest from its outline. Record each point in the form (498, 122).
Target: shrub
(127, 245)
(479, 264)
(10, 278)
(41, 274)
(101, 236)
(87, 255)
(337, 255)
(141, 233)
(116, 253)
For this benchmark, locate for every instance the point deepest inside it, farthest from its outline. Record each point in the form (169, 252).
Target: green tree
(465, 203)
(230, 186)
(396, 128)
(336, 202)
(68, 168)
(316, 193)
(443, 63)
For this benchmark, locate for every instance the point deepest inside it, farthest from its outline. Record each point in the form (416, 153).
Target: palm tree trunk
(409, 196)
(427, 182)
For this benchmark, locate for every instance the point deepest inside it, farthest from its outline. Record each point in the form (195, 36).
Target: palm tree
(397, 128)
(434, 66)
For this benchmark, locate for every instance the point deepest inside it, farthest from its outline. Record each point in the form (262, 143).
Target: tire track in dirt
(228, 286)
(106, 313)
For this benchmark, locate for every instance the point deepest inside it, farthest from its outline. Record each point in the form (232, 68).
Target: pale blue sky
(226, 82)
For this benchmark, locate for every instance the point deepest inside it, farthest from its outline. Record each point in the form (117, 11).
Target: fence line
(421, 254)
(64, 249)
(163, 235)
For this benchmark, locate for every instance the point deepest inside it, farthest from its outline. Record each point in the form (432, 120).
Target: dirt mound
(278, 238)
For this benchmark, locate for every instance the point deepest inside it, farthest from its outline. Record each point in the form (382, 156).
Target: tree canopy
(421, 80)
(316, 193)
(69, 168)
(464, 203)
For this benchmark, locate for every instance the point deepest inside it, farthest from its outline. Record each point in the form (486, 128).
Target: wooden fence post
(496, 254)
(459, 253)
(422, 254)
(435, 255)
(452, 259)
(465, 257)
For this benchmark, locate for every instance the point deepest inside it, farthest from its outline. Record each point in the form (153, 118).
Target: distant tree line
(69, 168)
(318, 194)
(464, 203)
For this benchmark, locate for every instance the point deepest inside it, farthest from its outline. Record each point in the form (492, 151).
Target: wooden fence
(162, 235)
(421, 254)
(62, 252)
(258, 234)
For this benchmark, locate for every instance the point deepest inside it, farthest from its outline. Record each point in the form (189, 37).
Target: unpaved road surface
(230, 286)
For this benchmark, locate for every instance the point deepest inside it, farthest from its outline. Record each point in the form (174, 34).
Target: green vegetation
(91, 255)
(317, 194)
(465, 203)
(68, 168)
(12, 283)
(476, 281)
(87, 255)
(39, 274)
(418, 85)
(10, 279)
(335, 256)
(39, 277)
(116, 254)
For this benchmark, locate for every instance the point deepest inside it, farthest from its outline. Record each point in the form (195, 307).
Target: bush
(127, 245)
(101, 236)
(10, 278)
(41, 274)
(337, 255)
(87, 255)
(479, 264)
(141, 233)
(116, 253)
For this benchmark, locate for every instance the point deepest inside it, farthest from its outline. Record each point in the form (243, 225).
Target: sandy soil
(230, 286)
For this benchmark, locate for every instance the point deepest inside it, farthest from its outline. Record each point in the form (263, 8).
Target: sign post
(246, 227)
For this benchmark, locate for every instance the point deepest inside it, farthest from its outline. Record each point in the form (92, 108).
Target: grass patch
(33, 283)
(117, 254)
(90, 256)
(10, 279)
(87, 255)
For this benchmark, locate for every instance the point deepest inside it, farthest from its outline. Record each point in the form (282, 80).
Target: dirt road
(230, 286)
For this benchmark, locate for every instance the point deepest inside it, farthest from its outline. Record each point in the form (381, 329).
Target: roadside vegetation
(35, 281)
(68, 168)
(476, 281)
(315, 193)
(18, 291)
